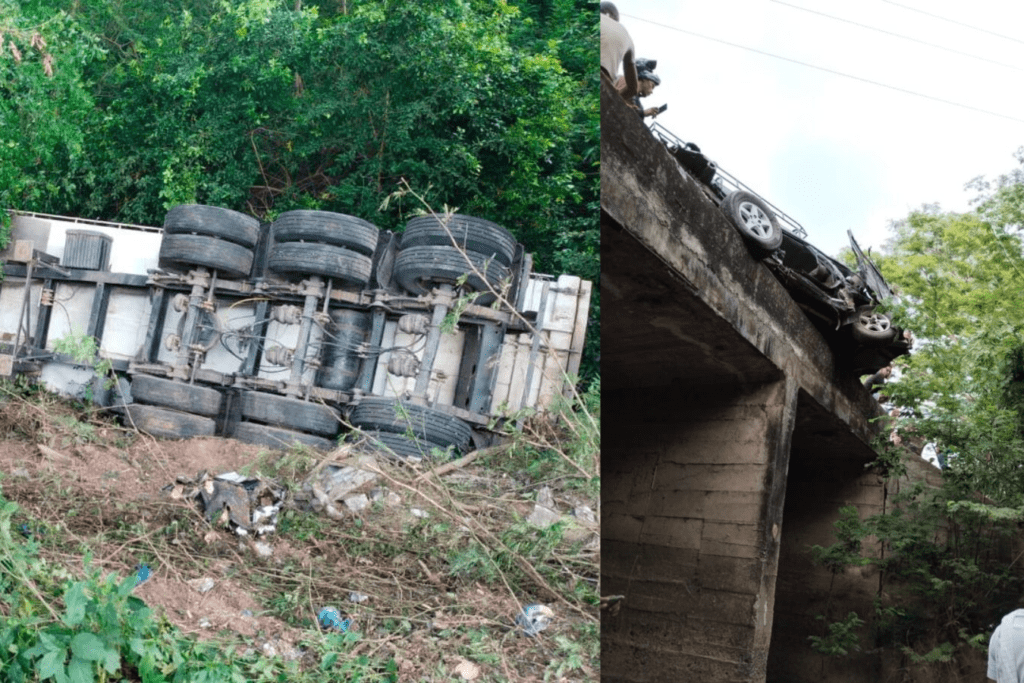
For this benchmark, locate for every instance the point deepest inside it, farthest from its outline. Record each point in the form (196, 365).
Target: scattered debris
(545, 512)
(357, 503)
(142, 573)
(263, 549)
(611, 603)
(584, 514)
(203, 585)
(248, 504)
(467, 670)
(534, 619)
(331, 619)
(357, 597)
(421, 514)
(276, 646)
(337, 481)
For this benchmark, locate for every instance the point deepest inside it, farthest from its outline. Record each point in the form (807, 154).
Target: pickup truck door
(872, 278)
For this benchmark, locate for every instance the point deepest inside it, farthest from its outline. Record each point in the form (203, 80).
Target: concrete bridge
(735, 438)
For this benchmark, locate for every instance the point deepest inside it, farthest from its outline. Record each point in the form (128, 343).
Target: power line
(830, 71)
(953, 21)
(898, 35)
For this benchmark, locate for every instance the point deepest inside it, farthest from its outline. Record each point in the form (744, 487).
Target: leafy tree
(946, 573)
(959, 276)
(269, 105)
(45, 106)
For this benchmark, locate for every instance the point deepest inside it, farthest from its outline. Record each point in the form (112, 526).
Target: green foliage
(91, 628)
(564, 443)
(963, 388)
(850, 531)
(46, 105)
(944, 572)
(842, 637)
(261, 108)
(84, 349)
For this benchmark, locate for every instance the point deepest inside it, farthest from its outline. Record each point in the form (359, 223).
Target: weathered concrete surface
(715, 379)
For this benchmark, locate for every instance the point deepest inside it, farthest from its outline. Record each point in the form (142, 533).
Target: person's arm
(629, 72)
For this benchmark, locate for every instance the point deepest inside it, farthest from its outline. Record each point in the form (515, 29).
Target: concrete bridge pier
(693, 488)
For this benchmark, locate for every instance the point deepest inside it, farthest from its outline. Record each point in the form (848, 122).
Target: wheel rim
(874, 322)
(755, 220)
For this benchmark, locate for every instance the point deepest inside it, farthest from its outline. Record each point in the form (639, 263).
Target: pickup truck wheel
(401, 445)
(169, 424)
(872, 328)
(212, 221)
(309, 258)
(472, 234)
(326, 228)
(291, 413)
(399, 417)
(419, 269)
(190, 398)
(755, 221)
(188, 251)
(274, 437)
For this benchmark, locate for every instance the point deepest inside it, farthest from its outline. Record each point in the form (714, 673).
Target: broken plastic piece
(534, 619)
(331, 619)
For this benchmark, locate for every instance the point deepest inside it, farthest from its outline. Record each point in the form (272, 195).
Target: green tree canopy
(960, 276)
(268, 105)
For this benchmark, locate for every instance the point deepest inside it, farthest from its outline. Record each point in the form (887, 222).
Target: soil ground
(435, 603)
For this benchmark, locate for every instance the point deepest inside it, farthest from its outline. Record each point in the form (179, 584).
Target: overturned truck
(276, 333)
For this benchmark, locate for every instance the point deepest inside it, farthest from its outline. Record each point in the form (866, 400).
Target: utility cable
(954, 21)
(899, 35)
(830, 71)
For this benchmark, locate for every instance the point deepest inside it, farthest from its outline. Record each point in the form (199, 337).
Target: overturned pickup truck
(272, 333)
(839, 301)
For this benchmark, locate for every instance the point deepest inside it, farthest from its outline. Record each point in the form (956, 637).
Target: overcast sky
(851, 151)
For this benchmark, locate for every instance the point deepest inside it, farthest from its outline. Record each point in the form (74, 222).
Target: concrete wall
(693, 484)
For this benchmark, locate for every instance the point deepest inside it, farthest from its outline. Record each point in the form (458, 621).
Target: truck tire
(399, 417)
(188, 251)
(401, 445)
(169, 424)
(274, 437)
(291, 413)
(309, 258)
(872, 328)
(325, 227)
(755, 221)
(212, 221)
(190, 398)
(472, 234)
(419, 269)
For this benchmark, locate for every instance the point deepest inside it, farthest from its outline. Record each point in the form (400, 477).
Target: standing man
(647, 81)
(1006, 649)
(616, 49)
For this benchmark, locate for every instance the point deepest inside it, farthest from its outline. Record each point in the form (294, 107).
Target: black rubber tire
(169, 424)
(473, 234)
(212, 221)
(190, 398)
(420, 269)
(188, 251)
(291, 413)
(755, 221)
(275, 437)
(309, 258)
(384, 414)
(872, 328)
(401, 445)
(326, 228)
